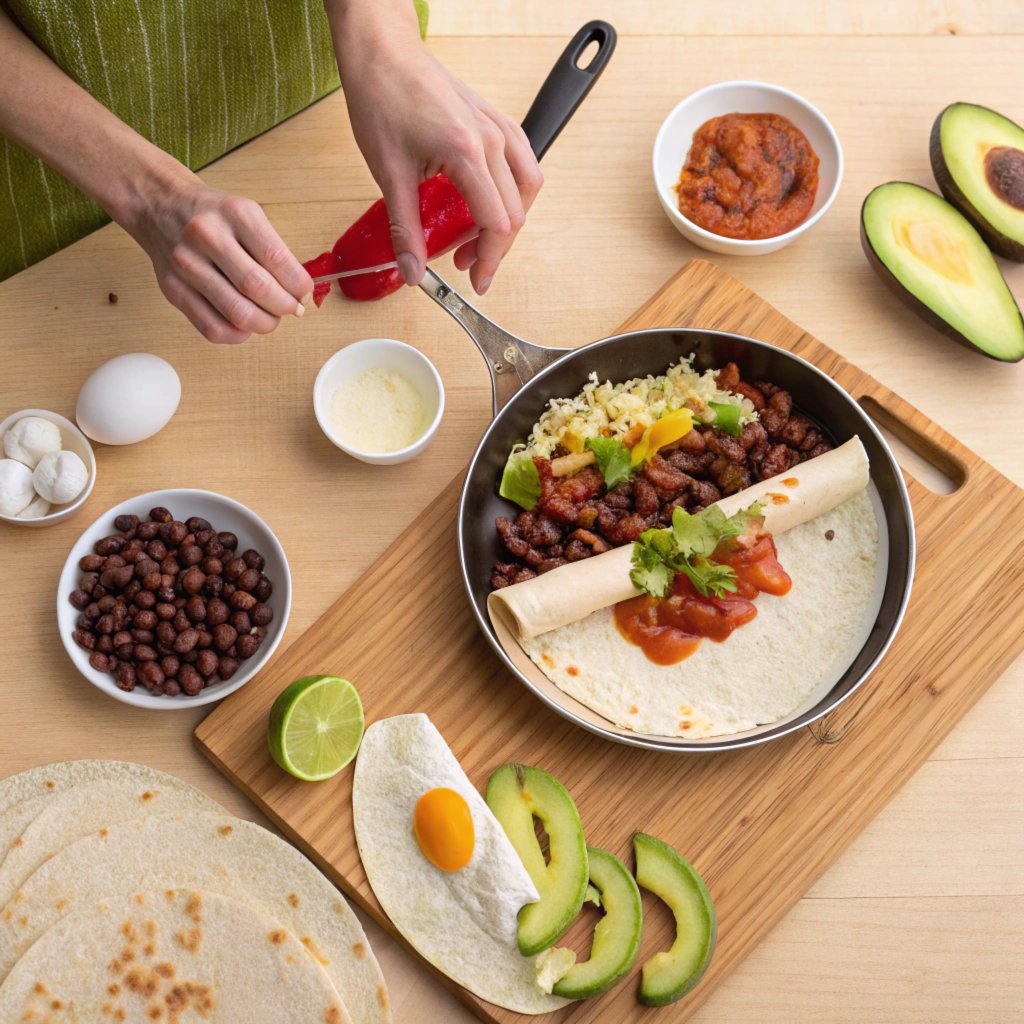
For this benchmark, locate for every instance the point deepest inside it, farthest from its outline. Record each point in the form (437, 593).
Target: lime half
(315, 727)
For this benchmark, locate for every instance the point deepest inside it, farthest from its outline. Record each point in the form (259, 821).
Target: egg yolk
(444, 828)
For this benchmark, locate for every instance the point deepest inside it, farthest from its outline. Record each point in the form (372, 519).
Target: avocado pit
(977, 155)
(1004, 171)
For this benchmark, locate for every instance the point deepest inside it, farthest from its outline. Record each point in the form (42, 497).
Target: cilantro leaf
(749, 520)
(521, 481)
(612, 458)
(708, 577)
(658, 543)
(655, 581)
(697, 534)
(686, 548)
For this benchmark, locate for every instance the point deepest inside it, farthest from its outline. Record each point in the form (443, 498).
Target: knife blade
(393, 265)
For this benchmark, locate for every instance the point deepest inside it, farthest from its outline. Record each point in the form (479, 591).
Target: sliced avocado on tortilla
(978, 161)
(616, 936)
(931, 258)
(668, 976)
(516, 794)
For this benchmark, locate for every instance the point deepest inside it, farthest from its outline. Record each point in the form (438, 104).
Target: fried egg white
(463, 921)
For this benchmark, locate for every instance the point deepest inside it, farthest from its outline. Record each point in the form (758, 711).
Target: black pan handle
(567, 85)
(510, 360)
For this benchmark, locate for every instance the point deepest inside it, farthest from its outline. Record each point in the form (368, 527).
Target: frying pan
(524, 376)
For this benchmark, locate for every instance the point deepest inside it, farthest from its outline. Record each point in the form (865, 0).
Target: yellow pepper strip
(667, 430)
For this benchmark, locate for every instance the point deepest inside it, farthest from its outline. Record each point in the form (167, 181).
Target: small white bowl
(224, 515)
(72, 440)
(675, 136)
(379, 354)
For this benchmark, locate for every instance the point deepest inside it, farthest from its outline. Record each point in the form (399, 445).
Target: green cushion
(196, 77)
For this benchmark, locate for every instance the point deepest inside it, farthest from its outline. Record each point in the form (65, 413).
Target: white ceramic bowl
(72, 440)
(673, 140)
(224, 515)
(383, 354)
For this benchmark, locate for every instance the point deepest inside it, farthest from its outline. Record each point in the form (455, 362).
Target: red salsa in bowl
(748, 176)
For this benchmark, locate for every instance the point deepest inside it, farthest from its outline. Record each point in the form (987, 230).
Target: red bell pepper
(325, 263)
(367, 243)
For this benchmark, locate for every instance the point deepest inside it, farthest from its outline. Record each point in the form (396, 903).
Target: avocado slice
(937, 264)
(616, 936)
(516, 794)
(978, 161)
(668, 976)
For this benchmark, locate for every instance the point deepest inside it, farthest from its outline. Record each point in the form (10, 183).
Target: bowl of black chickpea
(173, 599)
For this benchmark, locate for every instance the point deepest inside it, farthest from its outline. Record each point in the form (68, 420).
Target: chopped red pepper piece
(367, 243)
(325, 263)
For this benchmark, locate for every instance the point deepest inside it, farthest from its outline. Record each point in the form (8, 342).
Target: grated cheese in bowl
(612, 410)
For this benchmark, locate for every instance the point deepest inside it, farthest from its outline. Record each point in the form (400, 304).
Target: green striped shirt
(195, 77)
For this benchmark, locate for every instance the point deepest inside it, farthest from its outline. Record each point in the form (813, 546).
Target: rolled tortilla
(571, 592)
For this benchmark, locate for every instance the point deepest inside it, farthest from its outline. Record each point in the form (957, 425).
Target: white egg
(128, 399)
(464, 921)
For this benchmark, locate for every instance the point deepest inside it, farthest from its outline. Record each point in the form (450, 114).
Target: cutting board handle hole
(918, 456)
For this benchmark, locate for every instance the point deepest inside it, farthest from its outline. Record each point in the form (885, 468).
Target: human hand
(413, 119)
(219, 260)
(216, 256)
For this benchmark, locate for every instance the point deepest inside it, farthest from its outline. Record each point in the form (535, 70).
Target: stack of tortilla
(128, 895)
(560, 627)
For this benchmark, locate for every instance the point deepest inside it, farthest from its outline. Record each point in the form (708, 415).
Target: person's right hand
(412, 119)
(219, 260)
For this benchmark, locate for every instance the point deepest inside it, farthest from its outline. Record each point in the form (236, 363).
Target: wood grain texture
(761, 825)
(903, 935)
(727, 18)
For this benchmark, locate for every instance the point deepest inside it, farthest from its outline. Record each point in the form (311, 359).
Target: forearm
(370, 30)
(47, 113)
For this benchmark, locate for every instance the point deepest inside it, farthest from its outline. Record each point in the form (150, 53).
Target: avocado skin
(999, 243)
(910, 300)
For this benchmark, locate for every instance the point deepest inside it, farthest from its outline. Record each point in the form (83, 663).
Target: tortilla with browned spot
(145, 957)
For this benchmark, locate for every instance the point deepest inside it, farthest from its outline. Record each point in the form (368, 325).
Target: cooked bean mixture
(169, 605)
(577, 517)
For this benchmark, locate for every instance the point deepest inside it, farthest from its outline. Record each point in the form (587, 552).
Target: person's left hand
(219, 260)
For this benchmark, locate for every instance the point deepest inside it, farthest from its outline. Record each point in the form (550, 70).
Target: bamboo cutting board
(760, 824)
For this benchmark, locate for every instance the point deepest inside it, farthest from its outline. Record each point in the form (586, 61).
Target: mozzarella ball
(35, 509)
(16, 491)
(30, 439)
(60, 477)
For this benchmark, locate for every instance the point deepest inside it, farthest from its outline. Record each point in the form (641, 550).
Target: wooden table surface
(923, 918)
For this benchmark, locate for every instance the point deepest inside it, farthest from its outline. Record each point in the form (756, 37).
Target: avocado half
(934, 261)
(978, 161)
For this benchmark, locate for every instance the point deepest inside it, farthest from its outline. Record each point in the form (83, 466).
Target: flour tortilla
(81, 810)
(574, 591)
(136, 958)
(463, 922)
(230, 857)
(48, 779)
(23, 796)
(764, 671)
